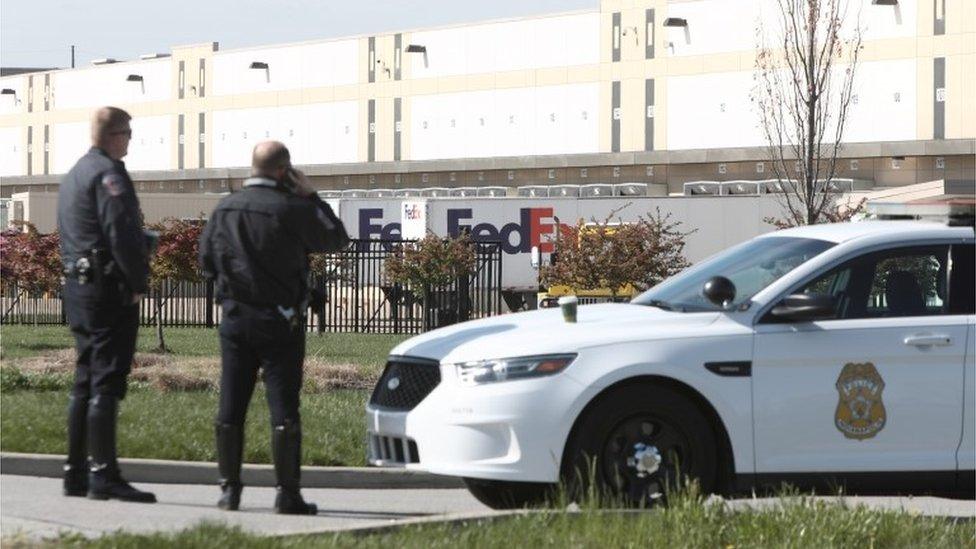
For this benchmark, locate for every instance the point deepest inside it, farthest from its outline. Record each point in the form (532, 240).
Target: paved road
(33, 507)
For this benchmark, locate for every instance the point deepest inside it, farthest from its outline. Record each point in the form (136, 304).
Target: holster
(89, 268)
(98, 267)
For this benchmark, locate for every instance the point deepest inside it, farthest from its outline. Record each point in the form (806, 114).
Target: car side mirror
(805, 307)
(719, 290)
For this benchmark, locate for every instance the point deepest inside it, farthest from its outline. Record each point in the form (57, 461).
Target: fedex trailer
(520, 224)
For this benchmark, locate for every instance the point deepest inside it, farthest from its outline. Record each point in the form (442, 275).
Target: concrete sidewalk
(33, 508)
(198, 472)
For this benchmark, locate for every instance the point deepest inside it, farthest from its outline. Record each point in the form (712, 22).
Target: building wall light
(134, 78)
(675, 22)
(10, 91)
(417, 48)
(261, 65)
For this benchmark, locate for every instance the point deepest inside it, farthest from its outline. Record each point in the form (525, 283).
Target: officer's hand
(303, 187)
(136, 298)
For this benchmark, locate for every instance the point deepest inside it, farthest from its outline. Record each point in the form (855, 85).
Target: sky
(39, 33)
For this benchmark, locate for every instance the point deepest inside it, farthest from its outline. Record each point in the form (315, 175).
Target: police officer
(105, 256)
(256, 247)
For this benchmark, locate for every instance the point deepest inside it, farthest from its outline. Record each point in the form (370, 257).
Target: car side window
(894, 283)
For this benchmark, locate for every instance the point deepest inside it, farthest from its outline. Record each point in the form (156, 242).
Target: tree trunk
(160, 342)
(812, 92)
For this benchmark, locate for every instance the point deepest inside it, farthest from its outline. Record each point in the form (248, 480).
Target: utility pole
(72, 56)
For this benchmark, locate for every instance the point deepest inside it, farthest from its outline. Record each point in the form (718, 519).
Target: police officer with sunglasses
(106, 265)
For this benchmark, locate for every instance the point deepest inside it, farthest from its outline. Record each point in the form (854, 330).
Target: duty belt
(92, 267)
(79, 269)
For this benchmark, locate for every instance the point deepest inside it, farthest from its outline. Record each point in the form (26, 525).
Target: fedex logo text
(534, 227)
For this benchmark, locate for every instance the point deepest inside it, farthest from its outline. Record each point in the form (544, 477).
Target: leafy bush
(176, 255)
(31, 260)
(608, 254)
(431, 262)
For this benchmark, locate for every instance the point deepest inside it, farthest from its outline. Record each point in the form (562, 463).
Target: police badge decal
(860, 411)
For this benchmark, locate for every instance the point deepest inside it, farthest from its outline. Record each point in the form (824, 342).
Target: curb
(203, 472)
(452, 519)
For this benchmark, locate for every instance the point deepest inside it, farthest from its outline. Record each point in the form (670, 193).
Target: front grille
(405, 382)
(388, 450)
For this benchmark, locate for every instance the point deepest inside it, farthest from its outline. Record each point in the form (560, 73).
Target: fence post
(498, 285)
(463, 308)
(320, 283)
(209, 300)
(355, 287)
(395, 295)
(427, 306)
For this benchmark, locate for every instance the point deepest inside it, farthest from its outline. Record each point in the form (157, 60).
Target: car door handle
(928, 340)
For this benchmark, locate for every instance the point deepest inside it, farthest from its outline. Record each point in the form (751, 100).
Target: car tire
(674, 434)
(499, 494)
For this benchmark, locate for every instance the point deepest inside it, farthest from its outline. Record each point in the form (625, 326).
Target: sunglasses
(127, 133)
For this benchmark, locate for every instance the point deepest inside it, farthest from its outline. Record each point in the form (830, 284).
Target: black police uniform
(105, 256)
(256, 247)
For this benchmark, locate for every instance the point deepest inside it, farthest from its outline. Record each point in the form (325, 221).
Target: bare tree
(804, 81)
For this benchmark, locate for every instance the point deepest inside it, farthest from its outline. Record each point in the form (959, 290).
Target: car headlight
(505, 369)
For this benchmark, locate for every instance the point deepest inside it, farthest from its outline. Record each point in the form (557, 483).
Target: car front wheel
(637, 442)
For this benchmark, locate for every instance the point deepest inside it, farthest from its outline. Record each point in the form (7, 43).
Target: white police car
(826, 355)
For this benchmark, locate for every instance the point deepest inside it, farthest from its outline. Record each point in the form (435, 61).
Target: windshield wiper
(663, 305)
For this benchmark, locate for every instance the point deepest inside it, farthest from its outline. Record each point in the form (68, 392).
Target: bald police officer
(256, 247)
(106, 266)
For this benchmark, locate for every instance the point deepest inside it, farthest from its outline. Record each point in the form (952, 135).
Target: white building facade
(653, 91)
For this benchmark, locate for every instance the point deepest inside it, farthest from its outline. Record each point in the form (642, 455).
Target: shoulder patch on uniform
(113, 183)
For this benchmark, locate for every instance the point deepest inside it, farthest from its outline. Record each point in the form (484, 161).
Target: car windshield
(751, 266)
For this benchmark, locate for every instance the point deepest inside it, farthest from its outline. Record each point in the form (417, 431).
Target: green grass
(21, 341)
(688, 522)
(179, 425)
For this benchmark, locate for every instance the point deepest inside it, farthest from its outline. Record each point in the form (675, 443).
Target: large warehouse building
(646, 91)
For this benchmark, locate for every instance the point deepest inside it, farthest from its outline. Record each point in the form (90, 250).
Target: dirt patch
(176, 373)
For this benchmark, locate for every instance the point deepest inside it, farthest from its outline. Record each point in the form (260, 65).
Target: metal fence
(358, 296)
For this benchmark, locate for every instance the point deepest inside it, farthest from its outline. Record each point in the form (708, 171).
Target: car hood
(544, 331)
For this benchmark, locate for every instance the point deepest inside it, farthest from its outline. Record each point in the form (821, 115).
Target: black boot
(104, 480)
(286, 445)
(230, 451)
(76, 466)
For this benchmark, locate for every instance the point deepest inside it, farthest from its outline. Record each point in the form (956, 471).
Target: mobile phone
(291, 180)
